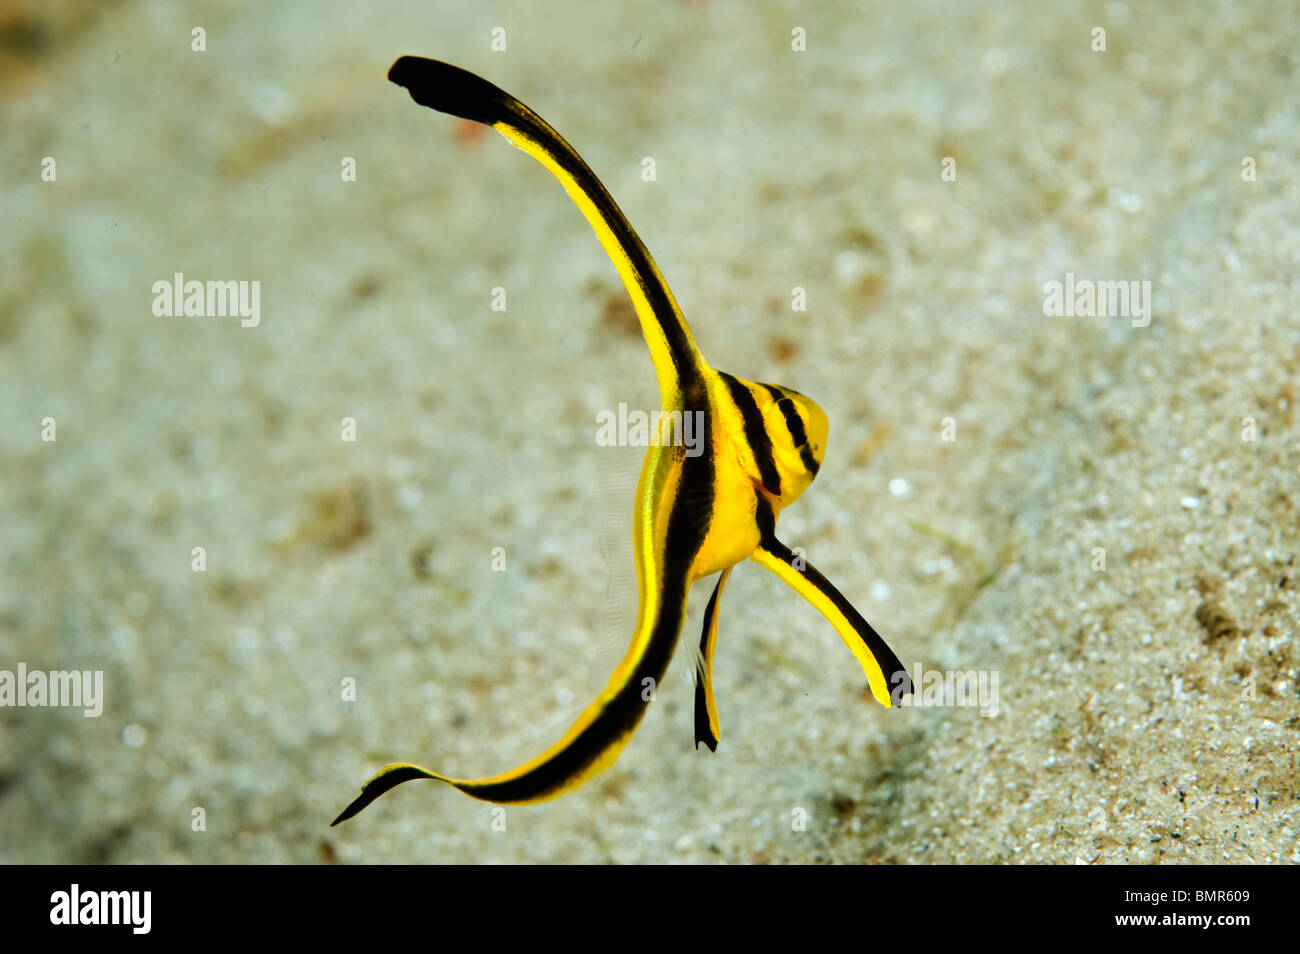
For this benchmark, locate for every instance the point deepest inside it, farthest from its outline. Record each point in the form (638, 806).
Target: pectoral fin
(706, 709)
(885, 673)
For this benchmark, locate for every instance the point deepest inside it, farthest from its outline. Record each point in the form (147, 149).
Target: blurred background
(1147, 708)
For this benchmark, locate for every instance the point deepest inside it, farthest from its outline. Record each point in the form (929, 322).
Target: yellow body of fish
(696, 515)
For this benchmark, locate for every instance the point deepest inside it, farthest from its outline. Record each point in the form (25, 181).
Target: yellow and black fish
(696, 514)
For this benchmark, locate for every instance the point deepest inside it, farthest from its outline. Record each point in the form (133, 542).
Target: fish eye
(793, 414)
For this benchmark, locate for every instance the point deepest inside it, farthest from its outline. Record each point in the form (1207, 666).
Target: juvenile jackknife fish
(695, 515)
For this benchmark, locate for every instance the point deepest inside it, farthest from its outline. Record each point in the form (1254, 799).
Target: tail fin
(389, 777)
(598, 736)
(591, 744)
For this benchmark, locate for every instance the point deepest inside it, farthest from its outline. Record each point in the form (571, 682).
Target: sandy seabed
(1100, 511)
